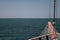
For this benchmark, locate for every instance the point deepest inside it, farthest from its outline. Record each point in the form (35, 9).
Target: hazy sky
(27, 8)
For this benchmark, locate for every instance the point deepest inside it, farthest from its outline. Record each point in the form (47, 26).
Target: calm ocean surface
(23, 28)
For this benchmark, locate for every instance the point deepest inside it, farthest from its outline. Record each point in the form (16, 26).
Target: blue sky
(27, 8)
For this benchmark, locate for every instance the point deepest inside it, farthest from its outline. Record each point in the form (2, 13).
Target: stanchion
(40, 38)
(47, 38)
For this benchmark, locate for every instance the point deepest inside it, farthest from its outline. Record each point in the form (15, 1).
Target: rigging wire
(56, 12)
(49, 9)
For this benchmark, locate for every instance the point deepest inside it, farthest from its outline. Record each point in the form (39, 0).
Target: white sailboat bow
(49, 33)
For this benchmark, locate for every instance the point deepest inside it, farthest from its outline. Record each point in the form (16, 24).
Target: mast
(54, 12)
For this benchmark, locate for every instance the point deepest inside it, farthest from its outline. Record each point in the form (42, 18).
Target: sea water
(23, 28)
